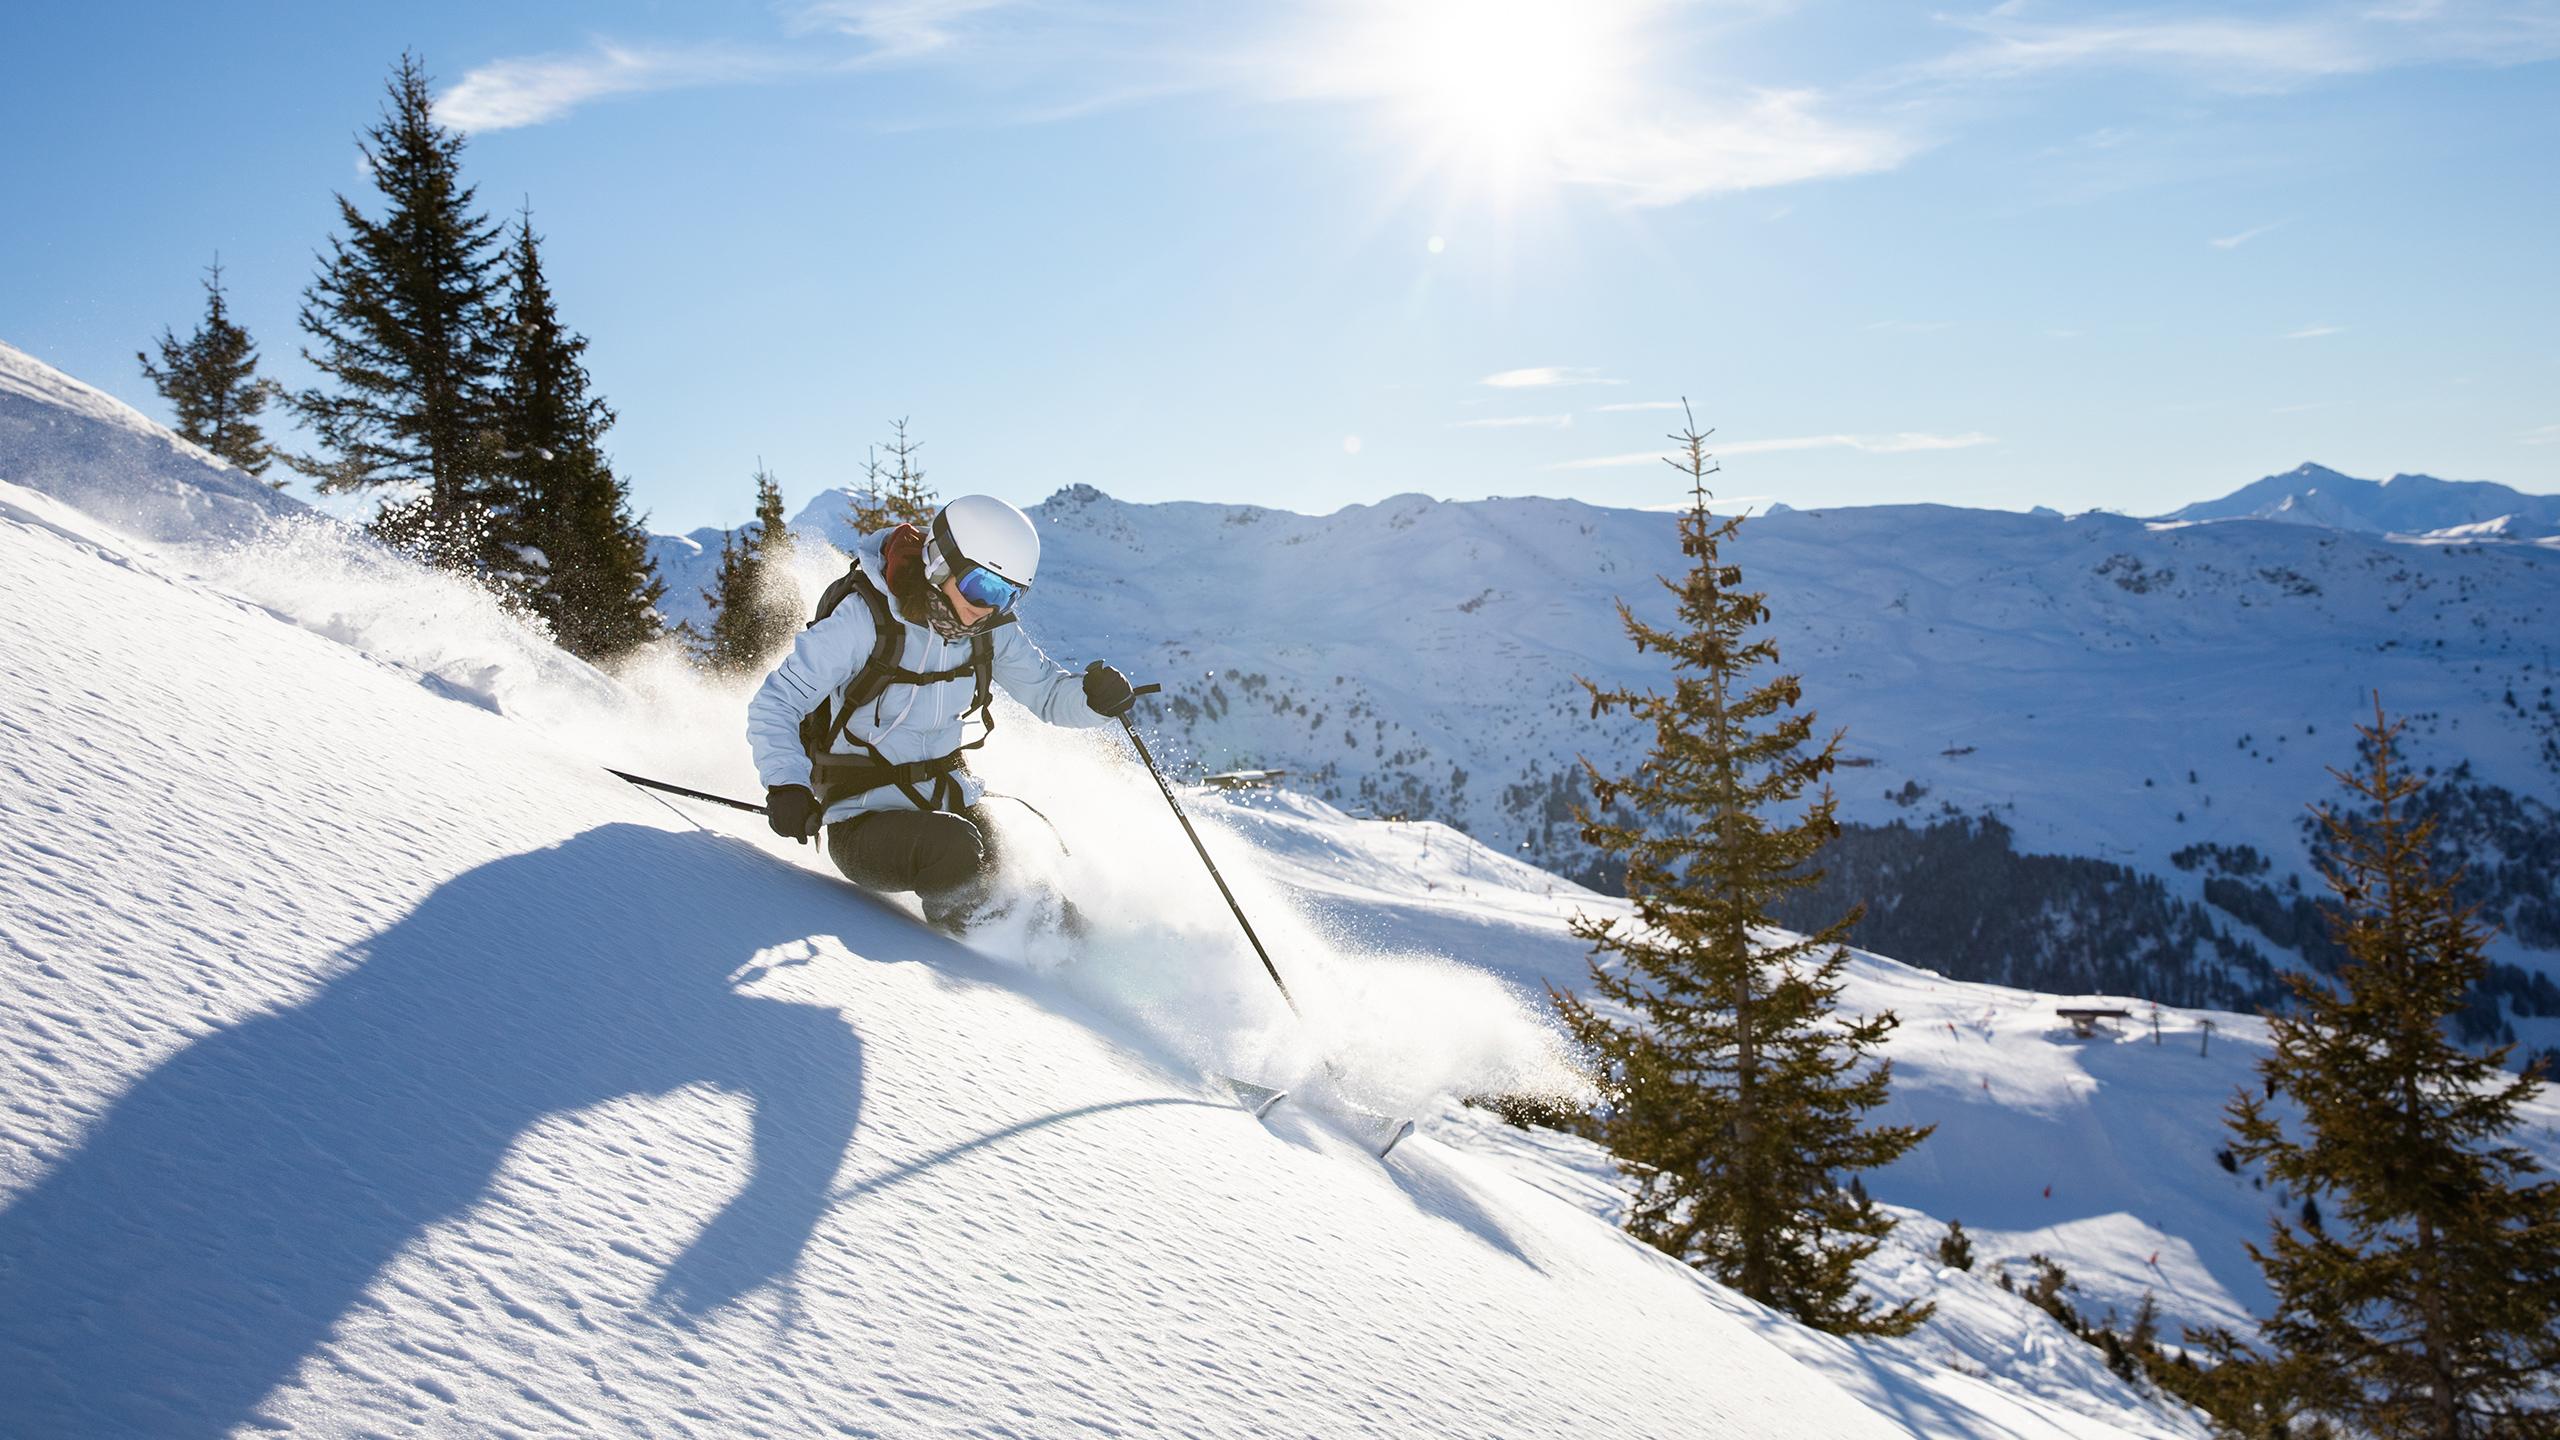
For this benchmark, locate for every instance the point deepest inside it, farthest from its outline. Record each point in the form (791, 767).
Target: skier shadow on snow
(236, 1201)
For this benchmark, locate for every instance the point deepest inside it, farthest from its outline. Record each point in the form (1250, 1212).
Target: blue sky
(1315, 254)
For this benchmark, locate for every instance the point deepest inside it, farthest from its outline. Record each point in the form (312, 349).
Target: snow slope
(84, 445)
(377, 1065)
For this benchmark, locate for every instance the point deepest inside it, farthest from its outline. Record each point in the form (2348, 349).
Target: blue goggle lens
(982, 586)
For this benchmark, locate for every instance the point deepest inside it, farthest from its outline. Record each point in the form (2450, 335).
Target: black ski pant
(948, 857)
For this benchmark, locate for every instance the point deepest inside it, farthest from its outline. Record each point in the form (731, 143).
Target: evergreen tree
(585, 557)
(1737, 1094)
(211, 380)
(403, 326)
(893, 492)
(755, 606)
(1956, 1247)
(2424, 1299)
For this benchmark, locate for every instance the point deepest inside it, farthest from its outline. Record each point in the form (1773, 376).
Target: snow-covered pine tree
(2427, 1300)
(404, 328)
(211, 380)
(561, 507)
(893, 491)
(754, 605)
(1736, 1093)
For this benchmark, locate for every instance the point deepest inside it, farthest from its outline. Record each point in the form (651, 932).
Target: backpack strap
(840, 776)
(821, 728)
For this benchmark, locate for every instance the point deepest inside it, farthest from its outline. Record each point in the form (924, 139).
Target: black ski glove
(1107, 690)
(792, 812)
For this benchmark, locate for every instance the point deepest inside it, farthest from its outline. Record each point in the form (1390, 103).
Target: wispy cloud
(1613, 462)
(2246, 53)
(530, 90)
(2262, 52)
(1639, 405)
(1902, 443)
(1515, 422)
(505, 94)
(2546, 435)
(1777, 138)
(897, 29)
(2234, 242)
(2314, 332)
(1538, 376)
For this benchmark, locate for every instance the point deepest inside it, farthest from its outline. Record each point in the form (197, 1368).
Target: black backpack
(840, 777)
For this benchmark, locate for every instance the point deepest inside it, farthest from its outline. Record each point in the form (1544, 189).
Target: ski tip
(1396, 1133)
(1257, 1098)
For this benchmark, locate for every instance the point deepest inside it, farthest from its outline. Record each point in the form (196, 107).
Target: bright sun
(1512, 74)
(1498, 86)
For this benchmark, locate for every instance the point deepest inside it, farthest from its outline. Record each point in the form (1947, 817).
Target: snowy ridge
(378, 1064)
(83, 445)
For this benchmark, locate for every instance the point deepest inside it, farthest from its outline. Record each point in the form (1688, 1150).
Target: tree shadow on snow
(233, 1203)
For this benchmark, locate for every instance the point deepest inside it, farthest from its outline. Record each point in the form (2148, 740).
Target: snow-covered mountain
(690, 562)
(2414, 505)
(2108, 687)
(2137, 693)
(378, 1064)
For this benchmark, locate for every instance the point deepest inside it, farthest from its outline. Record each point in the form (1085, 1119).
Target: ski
(1257, 1098)
(1380, 1133)
(1377, 1133)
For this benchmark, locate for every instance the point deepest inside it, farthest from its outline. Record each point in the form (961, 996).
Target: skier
(859, 731)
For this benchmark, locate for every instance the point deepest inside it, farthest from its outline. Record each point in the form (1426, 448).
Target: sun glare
(1506, 72)
(1496, 86)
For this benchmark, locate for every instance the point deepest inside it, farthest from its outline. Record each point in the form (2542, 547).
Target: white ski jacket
(907, 722)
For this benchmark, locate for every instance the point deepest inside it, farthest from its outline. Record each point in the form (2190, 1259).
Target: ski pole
(1264, 955)
(645, 783)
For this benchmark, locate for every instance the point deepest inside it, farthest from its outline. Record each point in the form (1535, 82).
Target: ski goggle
(983, 587)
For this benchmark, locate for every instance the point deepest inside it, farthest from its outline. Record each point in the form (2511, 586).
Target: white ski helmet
(977, 532)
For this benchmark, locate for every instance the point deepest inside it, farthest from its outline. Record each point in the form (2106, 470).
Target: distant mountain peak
(2406, 504)
(1073, 495)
